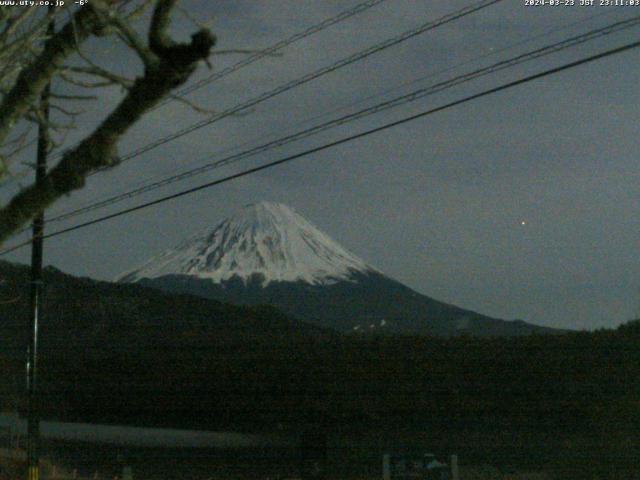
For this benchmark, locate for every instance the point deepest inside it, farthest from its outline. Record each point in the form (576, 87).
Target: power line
(362, 113)
(307, 78)
(341, 141)
(361, 7)
(144, 184)
(311, 76)
(492, 52)
(401, 100)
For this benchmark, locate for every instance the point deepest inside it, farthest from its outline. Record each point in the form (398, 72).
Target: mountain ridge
(374, 304)
(266, 241)
(269, 254)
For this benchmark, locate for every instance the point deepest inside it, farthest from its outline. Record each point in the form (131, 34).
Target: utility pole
(33, 403)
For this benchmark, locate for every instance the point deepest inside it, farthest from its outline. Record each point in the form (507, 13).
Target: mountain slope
(81, 313)
(125, 354)
(268, 242)
(369, 303)
(268, 254)
(121, 353)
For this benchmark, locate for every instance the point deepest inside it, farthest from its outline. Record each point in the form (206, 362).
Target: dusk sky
(523, 204)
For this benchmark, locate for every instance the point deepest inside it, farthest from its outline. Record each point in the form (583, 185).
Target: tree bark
(176, 62)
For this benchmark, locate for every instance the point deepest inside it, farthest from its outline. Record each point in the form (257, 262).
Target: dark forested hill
(269, 254)
(126, 354)
(117, 338)
(367, 303)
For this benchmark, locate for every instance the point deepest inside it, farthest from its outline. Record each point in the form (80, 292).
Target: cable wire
(361, 7)
(309, 77)
(341, 141)
(89, 205)
(386, 105)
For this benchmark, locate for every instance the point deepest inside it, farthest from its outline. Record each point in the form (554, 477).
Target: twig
(177, 61)
(84, 84)
(190, 104)
(69, 113)
(34, 77)
(96, 71)
(60, 96)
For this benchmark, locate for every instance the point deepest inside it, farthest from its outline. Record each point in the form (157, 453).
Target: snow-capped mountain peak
(266, 241)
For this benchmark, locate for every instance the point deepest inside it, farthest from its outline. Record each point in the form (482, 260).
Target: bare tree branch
(159, 40)
(199, 24)
(97, 71)
(34, 77)
(13, 24)
(192, 105)
(60, 96)
(176, 63)
(128, 34)
(66, 111)
(84, 84)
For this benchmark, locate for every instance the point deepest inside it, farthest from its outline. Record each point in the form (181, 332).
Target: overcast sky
(523, 204)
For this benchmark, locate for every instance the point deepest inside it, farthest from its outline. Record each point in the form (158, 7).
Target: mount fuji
(266, 243)
(269, 254)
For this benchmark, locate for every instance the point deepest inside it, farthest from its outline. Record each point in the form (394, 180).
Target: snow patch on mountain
(267, 241)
